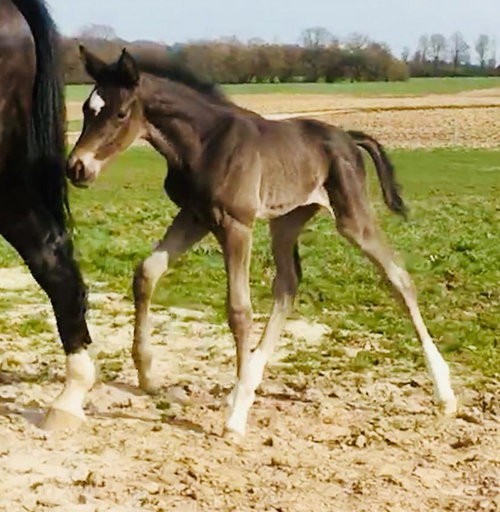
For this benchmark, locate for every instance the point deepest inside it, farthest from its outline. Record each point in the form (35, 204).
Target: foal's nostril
(78, 170)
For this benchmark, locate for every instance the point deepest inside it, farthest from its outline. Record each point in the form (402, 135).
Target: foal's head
(113, 116)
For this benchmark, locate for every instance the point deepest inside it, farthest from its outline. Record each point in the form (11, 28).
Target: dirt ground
(336, 441)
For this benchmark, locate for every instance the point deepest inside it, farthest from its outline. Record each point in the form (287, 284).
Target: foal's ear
(94, 66)
(128, 68)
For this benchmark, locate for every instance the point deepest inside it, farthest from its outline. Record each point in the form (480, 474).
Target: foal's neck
(178, 118)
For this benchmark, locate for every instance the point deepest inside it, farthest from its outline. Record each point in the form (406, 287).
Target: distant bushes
(234, 62)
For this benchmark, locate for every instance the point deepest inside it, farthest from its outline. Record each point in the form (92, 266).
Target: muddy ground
(337, 441)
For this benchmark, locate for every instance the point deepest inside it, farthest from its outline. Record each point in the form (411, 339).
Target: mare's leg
(48, 253)
(184, 232)
(356, 222)
(284, 233)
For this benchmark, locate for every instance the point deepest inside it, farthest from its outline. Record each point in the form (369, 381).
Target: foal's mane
(177, 72)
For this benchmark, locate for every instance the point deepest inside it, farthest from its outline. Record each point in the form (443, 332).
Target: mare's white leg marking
(80, 377)
(242, 396)
(96, 103)
(153, 268)
(437, 366)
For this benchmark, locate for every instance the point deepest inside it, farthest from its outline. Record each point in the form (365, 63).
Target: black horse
(33, 196)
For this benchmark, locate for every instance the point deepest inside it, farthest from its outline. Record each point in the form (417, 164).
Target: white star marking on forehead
(96, 103)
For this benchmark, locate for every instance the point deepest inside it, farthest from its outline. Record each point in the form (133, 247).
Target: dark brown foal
(226, 168)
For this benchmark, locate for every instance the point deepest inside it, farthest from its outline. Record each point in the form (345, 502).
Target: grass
(413, 87)
(78, 92)
(450, 245)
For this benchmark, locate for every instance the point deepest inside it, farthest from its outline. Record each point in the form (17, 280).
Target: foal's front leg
(184, 232)
(236, 241)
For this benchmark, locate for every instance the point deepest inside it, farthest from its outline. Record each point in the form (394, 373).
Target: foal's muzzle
(80, 174)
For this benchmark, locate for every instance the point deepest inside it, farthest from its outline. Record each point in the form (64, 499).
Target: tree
(405, 54)
(459, 49)
(423, 47)
(482, 46)
(357, 41)
(316, 37)
(437, 46)
(492, 61)
(96, 31)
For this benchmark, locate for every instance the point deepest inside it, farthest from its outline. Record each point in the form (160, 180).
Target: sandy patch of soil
(335, 441)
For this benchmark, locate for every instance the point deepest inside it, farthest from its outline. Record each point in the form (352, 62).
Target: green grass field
(450, 244)
(415, 86)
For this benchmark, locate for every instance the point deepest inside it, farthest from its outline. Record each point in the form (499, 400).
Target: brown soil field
(333, 441)
(470, 119)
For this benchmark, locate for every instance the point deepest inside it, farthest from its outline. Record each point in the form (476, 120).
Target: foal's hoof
(149, 386)
(449, 406)
(233, 437)
(57, 419)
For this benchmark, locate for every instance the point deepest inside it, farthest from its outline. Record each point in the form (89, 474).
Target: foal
(226, 168)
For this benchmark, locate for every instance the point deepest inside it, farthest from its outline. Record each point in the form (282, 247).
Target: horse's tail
(46, 136)
(385, 171)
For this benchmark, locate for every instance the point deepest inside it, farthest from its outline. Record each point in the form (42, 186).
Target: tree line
(318, 56)
(437, 55)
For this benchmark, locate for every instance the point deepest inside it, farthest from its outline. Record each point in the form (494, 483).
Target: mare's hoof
(57, 419)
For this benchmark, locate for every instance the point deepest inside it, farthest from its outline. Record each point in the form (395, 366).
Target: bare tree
(423, 47)
(459, 49)
(492, 61)
(405, 54)
(316, 37)
(482, 47)
(96, 31)
(357, 41)
(437, 46)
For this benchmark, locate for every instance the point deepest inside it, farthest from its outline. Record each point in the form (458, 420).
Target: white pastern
(440, 374)
(438, 368)
(242, 397)
(96, 103)
(80, 377)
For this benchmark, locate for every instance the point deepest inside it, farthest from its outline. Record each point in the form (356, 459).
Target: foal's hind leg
(184, 232)
(284, 232)
(360, 228)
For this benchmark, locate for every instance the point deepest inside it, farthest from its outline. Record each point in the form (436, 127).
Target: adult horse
(33, 189)
(226, 167)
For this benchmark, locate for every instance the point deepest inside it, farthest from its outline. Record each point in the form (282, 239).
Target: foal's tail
(385, 171)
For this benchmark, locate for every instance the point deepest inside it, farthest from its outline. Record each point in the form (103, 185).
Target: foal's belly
(270, 209)
(284, 188)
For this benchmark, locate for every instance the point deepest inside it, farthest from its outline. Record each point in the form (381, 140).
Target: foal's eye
(122, 115)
